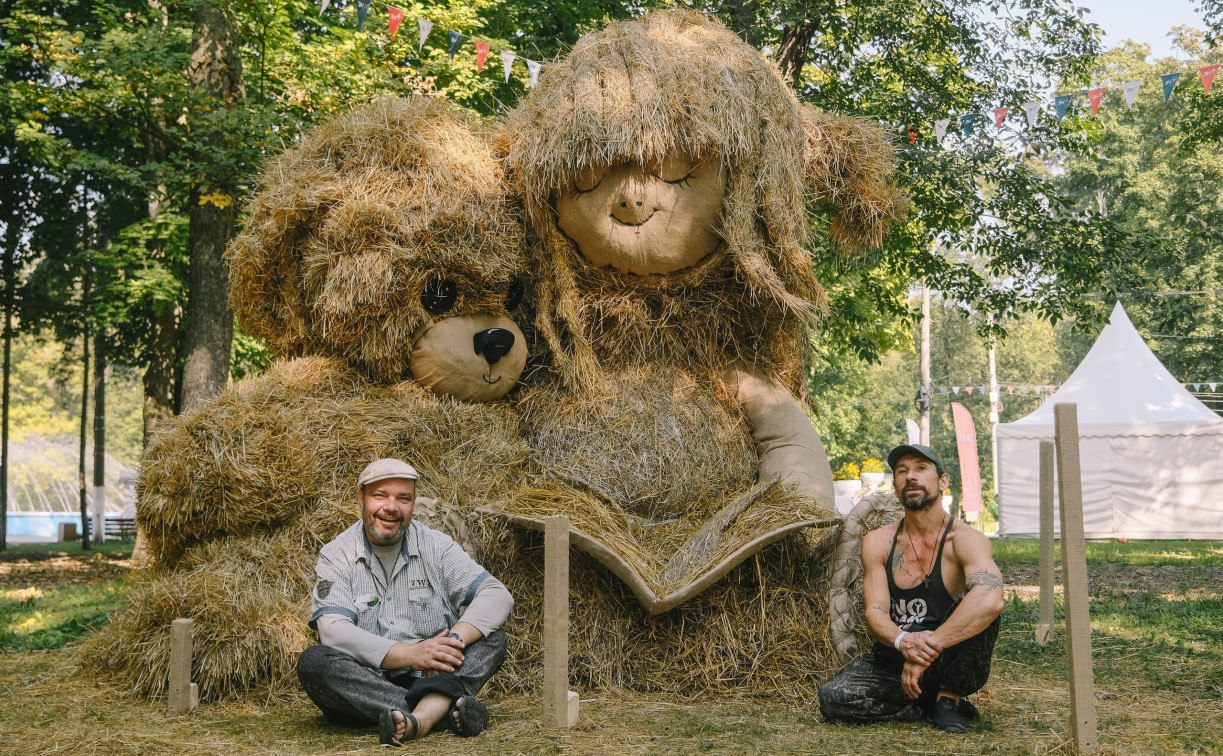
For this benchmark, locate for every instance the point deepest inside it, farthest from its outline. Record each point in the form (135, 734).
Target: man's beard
(921, 504)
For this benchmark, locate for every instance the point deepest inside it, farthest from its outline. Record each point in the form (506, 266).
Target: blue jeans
(348, 692)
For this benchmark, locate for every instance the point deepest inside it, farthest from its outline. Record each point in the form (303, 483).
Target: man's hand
(920, 648)
(436, 654)
(909, 676)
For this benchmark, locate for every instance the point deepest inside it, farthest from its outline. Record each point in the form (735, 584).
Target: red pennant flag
(481, 54)
(1096, 96)
(999, 115)
(969, 389)
(1208, 75)
(396, 17)
(1010, 389)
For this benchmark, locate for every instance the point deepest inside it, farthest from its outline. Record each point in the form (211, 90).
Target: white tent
(1151, 454)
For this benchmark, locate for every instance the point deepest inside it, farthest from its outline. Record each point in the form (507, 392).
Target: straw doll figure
(382, 262)
(665, 171)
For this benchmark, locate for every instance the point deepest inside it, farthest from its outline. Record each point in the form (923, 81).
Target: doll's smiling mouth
(495, 380)
(632, 225)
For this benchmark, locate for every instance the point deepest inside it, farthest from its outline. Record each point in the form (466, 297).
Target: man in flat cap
(386, 606)
(933, 596)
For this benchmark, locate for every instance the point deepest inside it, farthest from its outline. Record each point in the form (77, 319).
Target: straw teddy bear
(666, 171)
(382, 262)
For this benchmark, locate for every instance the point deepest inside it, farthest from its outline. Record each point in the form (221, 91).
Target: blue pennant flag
(455, 38)
(966, 122)
(1061, 102)
(362, 12)
(1169, 81)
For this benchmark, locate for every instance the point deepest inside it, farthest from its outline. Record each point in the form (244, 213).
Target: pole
(995, 406)
(84, 418)
(99, 437)
(925, 391)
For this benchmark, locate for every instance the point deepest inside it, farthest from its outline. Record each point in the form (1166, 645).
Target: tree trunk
(792, 54)
(159, 375)
(216, 72)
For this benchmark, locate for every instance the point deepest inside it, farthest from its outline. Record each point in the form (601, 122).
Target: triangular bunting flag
(396, 17)
(983, 389)
(1212, 386)
(328, 2)
(1023, 390)
(425, 27)
(1169, 81)
(969, 389)
(507, 60)
(1052, 389)
(955, 389)
(481, 54)
(455, 39)
(1206, 72)
(966, 123)
(362, 12)
(942, 389)
(999, 116)
(533, 69)
(1197, 387)
(1096, 96)
(940, 128)
(1184, 385)
(1032, 111)
(1130, 90)
(1061, 103)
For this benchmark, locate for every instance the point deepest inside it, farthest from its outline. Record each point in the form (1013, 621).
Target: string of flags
(1048, 389)
(454, 39)
(1061, 104)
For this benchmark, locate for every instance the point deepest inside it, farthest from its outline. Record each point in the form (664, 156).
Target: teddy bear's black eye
(439, 295)
(513, 295)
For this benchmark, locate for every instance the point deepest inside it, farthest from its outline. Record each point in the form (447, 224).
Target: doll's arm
(787, 446)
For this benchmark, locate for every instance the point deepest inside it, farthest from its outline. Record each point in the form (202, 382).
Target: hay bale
(847, 609)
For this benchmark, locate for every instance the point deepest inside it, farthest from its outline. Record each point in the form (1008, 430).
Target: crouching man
(932, 650)
(394, 651)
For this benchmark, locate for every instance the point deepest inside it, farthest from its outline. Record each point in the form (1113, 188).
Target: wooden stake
(560, 703)
(183, 694)
(1074, 577)
(1044, 629)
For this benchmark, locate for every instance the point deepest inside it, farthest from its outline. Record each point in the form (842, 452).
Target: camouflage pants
(868, 688)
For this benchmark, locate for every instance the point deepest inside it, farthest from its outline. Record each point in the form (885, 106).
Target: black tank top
(920, 607)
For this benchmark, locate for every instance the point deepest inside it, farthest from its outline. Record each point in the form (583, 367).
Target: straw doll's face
(645, 219)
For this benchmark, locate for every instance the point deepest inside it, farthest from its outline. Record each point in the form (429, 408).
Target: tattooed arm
(982, 601)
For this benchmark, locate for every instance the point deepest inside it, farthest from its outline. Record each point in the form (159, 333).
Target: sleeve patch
(322, 588)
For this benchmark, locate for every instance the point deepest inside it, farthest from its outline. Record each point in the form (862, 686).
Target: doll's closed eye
(587, 181)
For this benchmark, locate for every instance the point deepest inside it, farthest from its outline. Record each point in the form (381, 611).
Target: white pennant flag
(325, 4)
(1032, 111)
(425, 28)
(1130, 89)
(507, 60)
(1212, 386)
(940, 128)
(533, 68)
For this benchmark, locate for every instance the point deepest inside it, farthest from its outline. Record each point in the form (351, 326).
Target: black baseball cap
(922, 451)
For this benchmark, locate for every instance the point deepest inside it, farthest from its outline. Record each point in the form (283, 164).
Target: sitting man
(932, 650)
(394, 651)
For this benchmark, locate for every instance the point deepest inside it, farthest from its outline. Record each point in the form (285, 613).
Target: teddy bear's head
(387, 239)
(666, 169)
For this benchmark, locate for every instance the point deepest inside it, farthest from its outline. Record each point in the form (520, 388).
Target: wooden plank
(1074, 577)
(1044, 628)
(182, 695)
(560, 704)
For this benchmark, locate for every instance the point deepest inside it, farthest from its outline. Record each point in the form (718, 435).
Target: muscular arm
(875, 588)
(982, 603)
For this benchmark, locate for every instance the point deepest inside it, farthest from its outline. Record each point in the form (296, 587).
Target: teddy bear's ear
(848, 160)
(266, 288)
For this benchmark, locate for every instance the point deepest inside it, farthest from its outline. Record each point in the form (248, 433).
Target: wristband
(896, 642)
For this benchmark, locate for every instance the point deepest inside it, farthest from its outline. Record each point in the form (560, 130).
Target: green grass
(117, 548)
(44, 618)
(1137, 553)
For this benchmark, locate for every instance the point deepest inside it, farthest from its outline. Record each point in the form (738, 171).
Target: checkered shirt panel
(432, 578)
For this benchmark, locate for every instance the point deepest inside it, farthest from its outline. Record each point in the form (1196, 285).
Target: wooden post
(1044, 628)
(560, 703)
(183, 694)
(67, 532)
(1074, 577)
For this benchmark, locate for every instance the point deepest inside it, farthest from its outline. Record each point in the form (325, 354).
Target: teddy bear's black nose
(493, 344)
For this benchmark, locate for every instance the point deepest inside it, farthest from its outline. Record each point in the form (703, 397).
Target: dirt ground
(45, 571)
